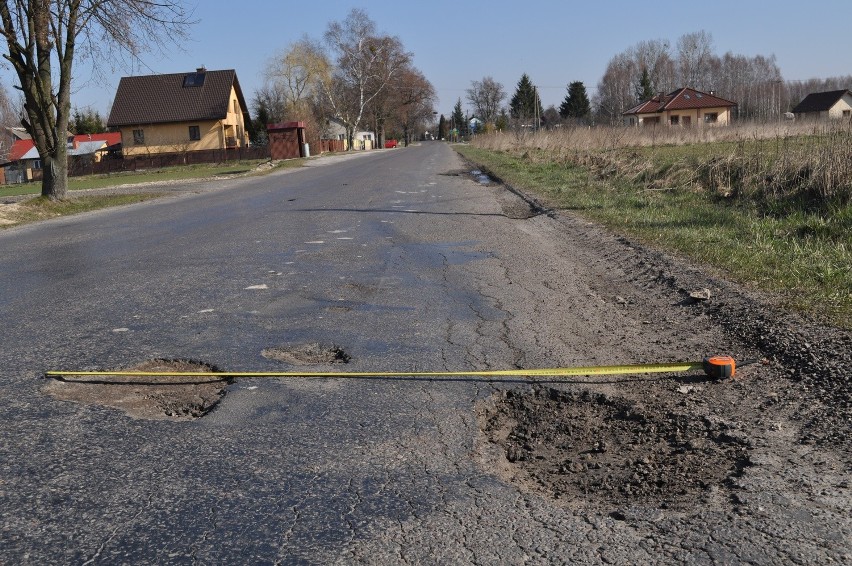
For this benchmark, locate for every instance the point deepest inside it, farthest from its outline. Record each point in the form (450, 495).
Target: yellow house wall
(844, 103)
(233, 124)
(696, 116)
(172, 138)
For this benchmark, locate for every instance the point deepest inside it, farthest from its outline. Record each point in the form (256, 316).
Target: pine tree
(442, 128)
(502, 122)
(525, 104)
(88, 122)
(576, 104)
(458, 119)
(644, 90)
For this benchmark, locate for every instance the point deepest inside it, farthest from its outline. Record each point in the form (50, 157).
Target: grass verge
(180, 173)
(40, 208)
(802, 256)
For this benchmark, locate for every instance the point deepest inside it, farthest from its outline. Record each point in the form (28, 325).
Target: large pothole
(588, 447)
(155, 397)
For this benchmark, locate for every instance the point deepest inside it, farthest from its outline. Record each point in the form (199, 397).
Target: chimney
(201, 69)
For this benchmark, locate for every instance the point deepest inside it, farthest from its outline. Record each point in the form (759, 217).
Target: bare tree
(615, 92)
(695, 51)
(366, 63)
(39, 33)
(292, 84)
(655, 56)
(297, 72)
(486, 97)
(9, 118)
(414, 103)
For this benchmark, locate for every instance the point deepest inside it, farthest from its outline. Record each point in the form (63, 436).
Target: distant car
(390, 144)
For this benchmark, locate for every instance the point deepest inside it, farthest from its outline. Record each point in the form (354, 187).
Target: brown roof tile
(157, 99)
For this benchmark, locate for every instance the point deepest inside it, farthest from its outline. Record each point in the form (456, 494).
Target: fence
(332, 145)
(78, 167)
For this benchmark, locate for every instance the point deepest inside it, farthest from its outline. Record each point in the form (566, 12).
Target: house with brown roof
(831, 104)
(180, 112)
(683, 107)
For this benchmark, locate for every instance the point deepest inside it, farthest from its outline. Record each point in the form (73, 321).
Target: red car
(390, 144)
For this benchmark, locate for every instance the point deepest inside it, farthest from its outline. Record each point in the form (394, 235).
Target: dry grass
(40, 208)
(771, 207)
(809, 164)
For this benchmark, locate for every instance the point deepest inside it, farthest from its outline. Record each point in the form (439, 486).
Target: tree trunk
(54, 182)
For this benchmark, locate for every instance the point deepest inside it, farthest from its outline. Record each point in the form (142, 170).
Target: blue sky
(456, 42)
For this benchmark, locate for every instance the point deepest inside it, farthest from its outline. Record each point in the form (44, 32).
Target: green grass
(178, 173)
(803, 257)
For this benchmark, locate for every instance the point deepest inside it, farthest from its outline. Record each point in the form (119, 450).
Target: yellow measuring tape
(717, 366)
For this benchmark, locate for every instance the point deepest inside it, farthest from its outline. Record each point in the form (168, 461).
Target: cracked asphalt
(406, 265)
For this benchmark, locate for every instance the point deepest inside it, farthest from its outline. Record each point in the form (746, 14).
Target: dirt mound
(584, 446)
(155, 397)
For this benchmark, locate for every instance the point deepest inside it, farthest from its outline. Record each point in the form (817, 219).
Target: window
(711, 117)
(236, 107)
(138, 137)
(675, 120)
(193, 79)
(847, 113)
(36, 164)
(194, 133)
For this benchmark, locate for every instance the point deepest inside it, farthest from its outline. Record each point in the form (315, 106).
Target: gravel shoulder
(768, 451)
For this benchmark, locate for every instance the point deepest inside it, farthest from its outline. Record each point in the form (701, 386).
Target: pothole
(307, 354)
(155, 397)
(515, 207)
(480, 177)
(591, 448)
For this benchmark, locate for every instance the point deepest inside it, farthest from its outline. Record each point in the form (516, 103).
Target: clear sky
(457, 41)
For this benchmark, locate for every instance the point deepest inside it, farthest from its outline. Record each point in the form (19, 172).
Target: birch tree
(366, 63)
(43, 40)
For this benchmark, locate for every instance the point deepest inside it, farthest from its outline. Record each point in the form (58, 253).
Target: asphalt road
(406, 266)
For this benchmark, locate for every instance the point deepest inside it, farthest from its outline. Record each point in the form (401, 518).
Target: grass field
(773, 213)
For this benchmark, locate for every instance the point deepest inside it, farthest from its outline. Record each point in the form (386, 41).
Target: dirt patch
(307, 354)
(176, 398)
(600, 450)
